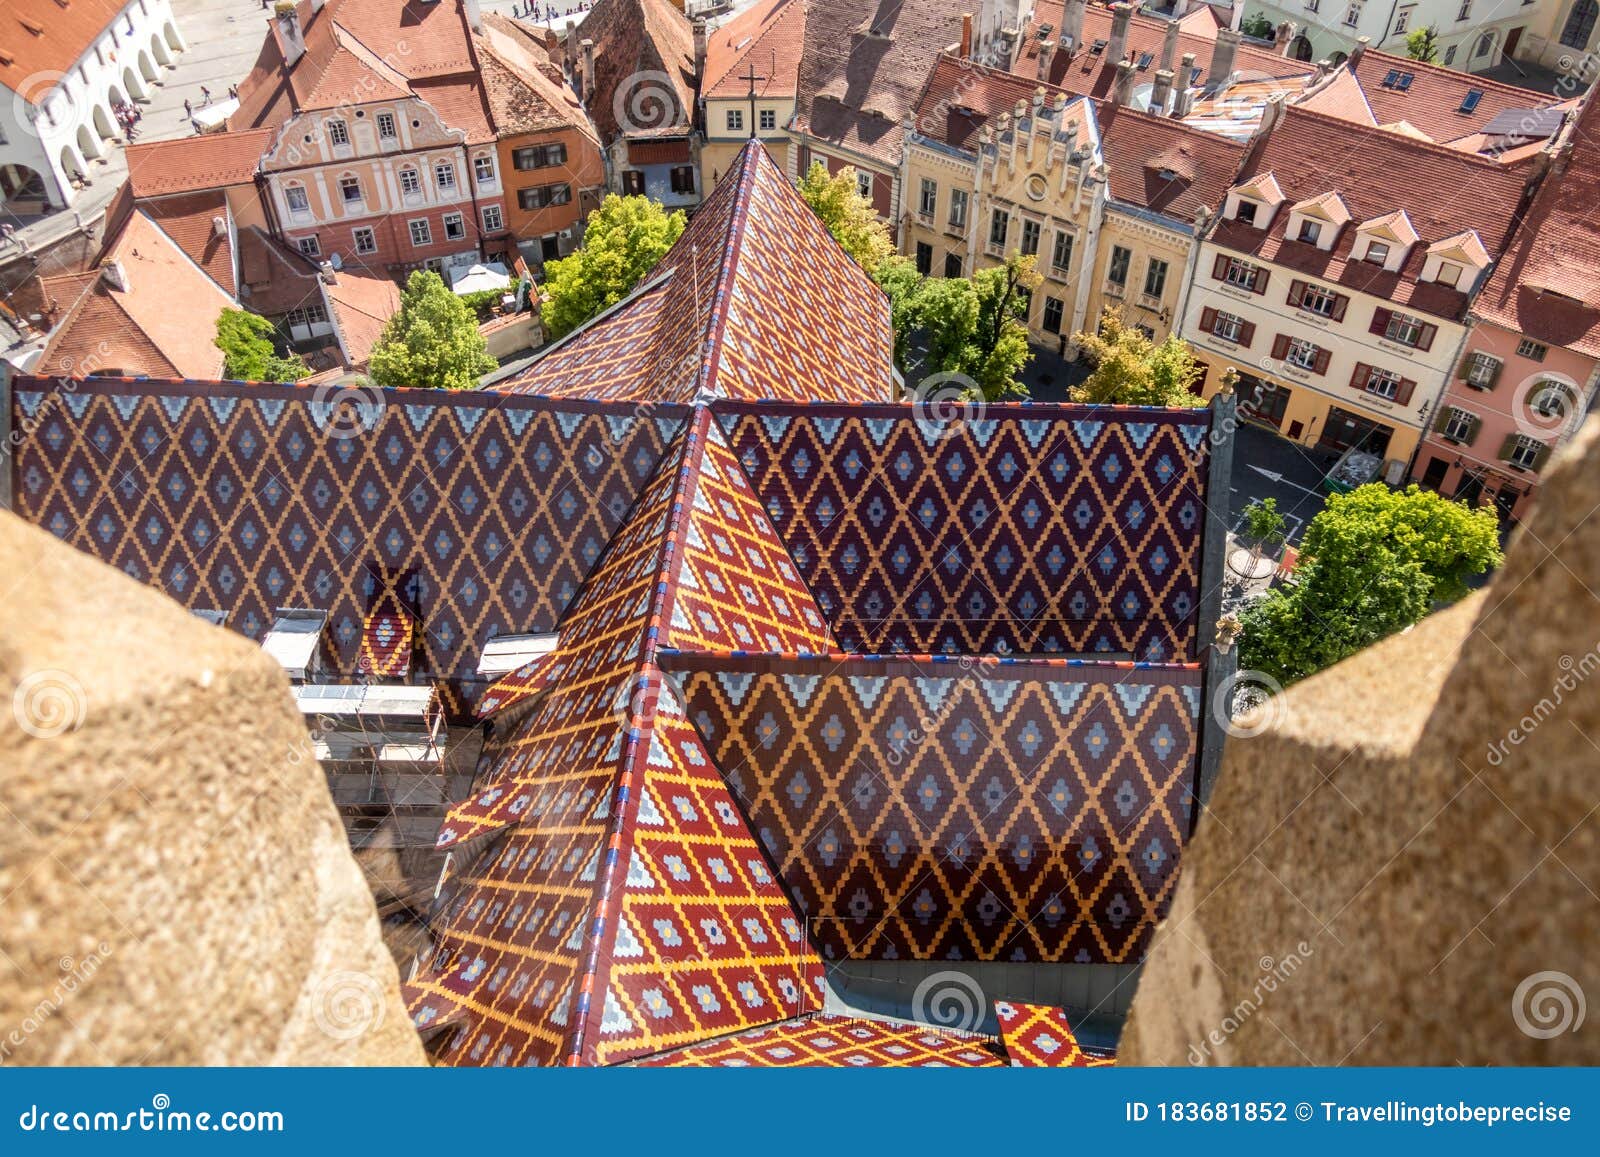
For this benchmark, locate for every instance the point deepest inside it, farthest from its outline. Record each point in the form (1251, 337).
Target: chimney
(1047, 53)
(1222, 55)
(700, 48)
(586, 48)
(286, 27)
(474, 13)
(1160, 91)
(1284, 37)
(569, 49)
(1236, 16)
(1358, 51)
(1182, 94)
(1122, 92)
(966, 36)
(1121, 16)
(1271, 113)
(326, 272)
(115, 275)
(1169, 45)
(1072, 25)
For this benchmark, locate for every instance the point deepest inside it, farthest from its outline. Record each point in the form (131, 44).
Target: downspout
(471, 178)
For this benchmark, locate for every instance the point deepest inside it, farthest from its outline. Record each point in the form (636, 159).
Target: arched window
(1580, 24)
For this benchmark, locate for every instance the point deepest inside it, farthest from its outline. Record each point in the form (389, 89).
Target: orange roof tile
(633, 38)
(361, 305)
(1432, 101)
(1138, 146)
(211, 161)
(960, 98)
(1443, 191)
(42, 37)
(769, 35)
(190, 221)
(521, 94)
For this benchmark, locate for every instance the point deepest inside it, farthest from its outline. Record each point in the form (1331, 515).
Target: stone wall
(176, 884)
(1404, 868)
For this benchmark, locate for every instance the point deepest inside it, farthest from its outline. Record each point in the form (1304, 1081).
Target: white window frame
(1070, 239)
(958, 208)
(426, 238)
(735, 120)
(369, 234)
(928, 199)
(346, 184)
(1482, 368)
(1377, 252)
(338, 133)
(455, 227)
(1403, 329)
(1227, 326)
(1150, 268)
(1378, 376)
(290, 192)
(1352, 16)
(444, 176)
(1525, 451)
(410, 182)
(309, 246)
(1458, 426)
(1302, 353)
(493, 219)
(1322, 297)
(768, 120)
(388, 128)
(1241, 274)
(483, 170)
(1534, 351)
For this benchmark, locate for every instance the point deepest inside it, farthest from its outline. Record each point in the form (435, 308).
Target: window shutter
(1494, 374)
(1425, 338)
(1441, 419)
(1320, 366)
(1540, 458)
(1509, 444)
(1247, 333)
(1297, 291)
(1280, 346)
(1340, 303)
(1219, 269)
(1403, 392)
(1358, 380)
(1472, 430)
(1261, 281)
(1380, 321)
(1208, 320)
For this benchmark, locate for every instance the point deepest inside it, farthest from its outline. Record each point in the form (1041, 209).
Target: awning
(482, 278)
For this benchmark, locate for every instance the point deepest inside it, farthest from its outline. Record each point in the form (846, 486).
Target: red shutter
(1297, 291)
(1208, 320)
(1280, 346)
(1402, 394)
(1247, 333)
(1340, 301)
(1358, 380)
(1219, 268)
(1380, 321)
(1320, 366)
(1261, 281)
(1425, 339)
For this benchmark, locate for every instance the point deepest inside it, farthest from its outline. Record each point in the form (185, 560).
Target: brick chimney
(1047, 53)
(1121, 16)
(1160, 90)
(1222, 57)
(1072, 25)
(699, 49)
(966, 36)
(1283, 37)
(1358, 51)
(1122, 91)
(286, 27)
(1169, 45)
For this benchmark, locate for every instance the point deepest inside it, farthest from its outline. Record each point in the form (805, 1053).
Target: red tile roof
(191, 221)
(960, 98)
(770, 36)
(211, 161)
(644, 68)
(1548, 283)
(42, 37)
(523, 98)
(273, 280)
(362, 305)
(863, 68)
(1443, 191)
(1432, 101)
(1138, 147)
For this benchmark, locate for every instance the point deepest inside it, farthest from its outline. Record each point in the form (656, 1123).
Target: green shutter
(1472, 430)
(1510, 444)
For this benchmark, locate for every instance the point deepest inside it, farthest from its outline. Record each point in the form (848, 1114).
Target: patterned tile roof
(828, 1041)
(1033, 529)
(926, 811)
(732, 311)
(1038, 1036)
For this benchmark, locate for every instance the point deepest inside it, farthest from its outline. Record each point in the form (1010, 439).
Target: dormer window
(1377, 253)
(1449, 274)
(1246, 212)
(1310, 231)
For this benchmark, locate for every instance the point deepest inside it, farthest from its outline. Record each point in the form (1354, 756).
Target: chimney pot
(1123, 92)
(1169, 45)
(1159, 91)
(1358, 51)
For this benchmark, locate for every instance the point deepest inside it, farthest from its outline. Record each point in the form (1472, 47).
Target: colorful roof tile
(1038, 1036)
(828, 1041)
(922, 811)
(733, 311)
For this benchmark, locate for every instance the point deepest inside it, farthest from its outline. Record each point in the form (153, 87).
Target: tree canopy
(1131, 370)
(1423, 44)
(974, 325)
(248, 343)
(849, 216)
(433, 340)
(622, 241)
(1371, 563)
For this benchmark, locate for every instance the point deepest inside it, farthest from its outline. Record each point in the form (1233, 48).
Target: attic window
(1194, 77)
(1167, 174)
(1470, 101)
(1246, 212)
(1098, 47)
(1397, 80)
(1144, 61)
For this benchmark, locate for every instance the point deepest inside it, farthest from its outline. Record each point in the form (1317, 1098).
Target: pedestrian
(188, 109)
(233, 92)
(205, 96)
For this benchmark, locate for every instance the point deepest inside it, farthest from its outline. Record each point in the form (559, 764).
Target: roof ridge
(1471, 79)
(750, 159)
(1488, 164)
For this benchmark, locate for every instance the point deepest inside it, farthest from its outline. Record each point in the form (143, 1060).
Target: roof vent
(504, 654)
(219, 226)
(115, 275)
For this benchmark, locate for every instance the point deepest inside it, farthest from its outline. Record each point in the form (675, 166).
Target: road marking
(1274, 476)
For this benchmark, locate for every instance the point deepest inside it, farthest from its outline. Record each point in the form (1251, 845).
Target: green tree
(849, 216)
(1264, 525)
(1258, 26)
(250, 353)
(904, 286)
(1423, 44)
(622, 241)
(1131, 370)
(974, 326)
(1372, 563)
(433, 340)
